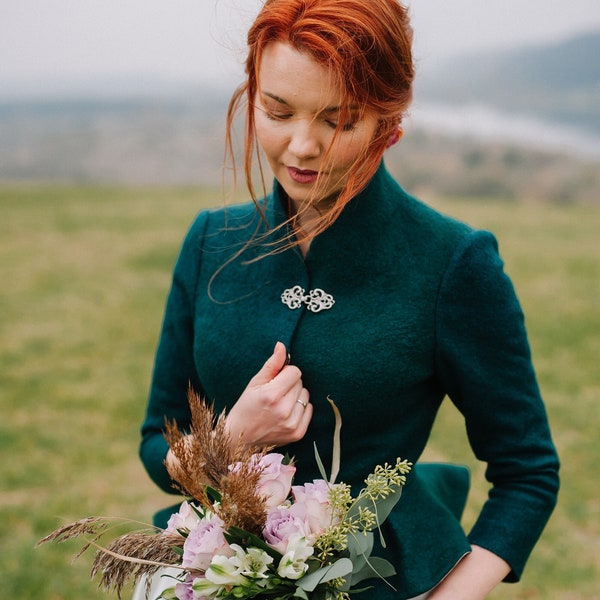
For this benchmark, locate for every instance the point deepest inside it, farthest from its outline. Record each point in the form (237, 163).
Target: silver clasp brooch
(316, 300)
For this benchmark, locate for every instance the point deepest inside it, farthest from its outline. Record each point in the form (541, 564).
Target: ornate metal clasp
(315, 300)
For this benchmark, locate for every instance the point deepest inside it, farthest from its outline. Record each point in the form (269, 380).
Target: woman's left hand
(275, 407)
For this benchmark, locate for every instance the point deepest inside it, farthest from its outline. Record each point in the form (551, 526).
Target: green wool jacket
(423, 310)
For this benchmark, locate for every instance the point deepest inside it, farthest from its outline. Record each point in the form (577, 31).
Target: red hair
(366, 44)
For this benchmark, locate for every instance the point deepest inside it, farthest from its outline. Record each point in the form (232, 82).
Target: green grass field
(84, 274)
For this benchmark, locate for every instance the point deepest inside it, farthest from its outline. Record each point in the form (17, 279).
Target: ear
(396, 136)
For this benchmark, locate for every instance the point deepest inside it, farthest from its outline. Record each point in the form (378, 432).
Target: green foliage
(85, 272)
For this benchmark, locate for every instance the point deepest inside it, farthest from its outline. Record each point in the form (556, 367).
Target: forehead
(297, 78)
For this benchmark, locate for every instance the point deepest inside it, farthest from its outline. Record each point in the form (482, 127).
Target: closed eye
(276, 116)
(345, 127)
(332, 118)
(278, 113)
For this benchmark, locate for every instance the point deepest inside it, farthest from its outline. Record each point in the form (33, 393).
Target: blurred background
(111, 140)
(134, 92)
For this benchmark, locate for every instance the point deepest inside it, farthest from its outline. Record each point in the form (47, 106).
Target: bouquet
(245, 530)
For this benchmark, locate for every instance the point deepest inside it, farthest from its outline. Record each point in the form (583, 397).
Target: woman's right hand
(274, 409)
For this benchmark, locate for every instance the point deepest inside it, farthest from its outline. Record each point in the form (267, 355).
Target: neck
(306, 218)
(304, 225)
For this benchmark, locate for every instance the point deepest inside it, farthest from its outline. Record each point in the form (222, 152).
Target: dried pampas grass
(205, 457)
(126, 558)
(135, 554)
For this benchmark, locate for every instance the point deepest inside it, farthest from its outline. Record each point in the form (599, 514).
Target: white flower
(293, 564)
(237, 570)
(255, 563)
(224, 570)
(202, 588)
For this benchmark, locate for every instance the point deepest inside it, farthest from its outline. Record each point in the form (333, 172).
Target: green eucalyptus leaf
(374, 567)
(335, 458)
(360, 544)
(382, 508)
(359, 549)
(358, 590)
(340, 568)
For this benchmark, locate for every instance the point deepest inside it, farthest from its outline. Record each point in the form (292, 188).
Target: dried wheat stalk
(205, 456)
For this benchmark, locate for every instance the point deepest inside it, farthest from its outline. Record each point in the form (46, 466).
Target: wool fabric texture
(423, 311)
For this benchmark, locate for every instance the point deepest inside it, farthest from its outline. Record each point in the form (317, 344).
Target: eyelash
(282, 117)
(346, 126)
(276, 117)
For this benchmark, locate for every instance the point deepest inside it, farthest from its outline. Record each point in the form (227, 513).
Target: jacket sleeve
(174, 369)
(484, 364)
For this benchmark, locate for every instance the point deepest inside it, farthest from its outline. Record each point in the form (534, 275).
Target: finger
(301, 401)
(288, 381)
(272, 366)
(305, 418)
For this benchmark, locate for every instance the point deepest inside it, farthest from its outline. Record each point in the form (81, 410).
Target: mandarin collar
(356, 228)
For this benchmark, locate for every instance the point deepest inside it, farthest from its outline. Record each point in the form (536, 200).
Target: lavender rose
(285, 523)
(203, 542)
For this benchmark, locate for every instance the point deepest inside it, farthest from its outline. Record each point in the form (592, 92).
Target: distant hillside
(559, 82)
(147, 140)
(115, 132)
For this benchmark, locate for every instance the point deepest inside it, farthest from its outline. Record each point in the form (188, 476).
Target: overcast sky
(43, 42)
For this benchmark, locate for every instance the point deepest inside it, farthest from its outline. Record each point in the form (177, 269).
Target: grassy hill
(85, 271)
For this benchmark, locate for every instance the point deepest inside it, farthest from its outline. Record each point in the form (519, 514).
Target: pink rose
(314, 497)
(203, 542)
(285, 523)
(185, 518)
(276, 479)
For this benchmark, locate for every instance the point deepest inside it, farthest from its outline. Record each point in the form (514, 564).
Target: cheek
(269, 138)
(346, 153)
(348, 148)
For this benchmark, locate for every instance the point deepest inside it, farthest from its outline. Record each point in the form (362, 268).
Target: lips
(302, 176)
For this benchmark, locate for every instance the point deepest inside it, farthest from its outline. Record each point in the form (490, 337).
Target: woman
(340, 284)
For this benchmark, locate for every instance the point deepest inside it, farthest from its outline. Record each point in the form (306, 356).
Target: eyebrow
(329, 109)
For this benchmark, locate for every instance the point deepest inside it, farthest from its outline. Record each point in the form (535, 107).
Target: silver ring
(303, 403)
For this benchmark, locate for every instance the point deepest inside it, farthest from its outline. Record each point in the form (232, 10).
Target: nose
(304, 142)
